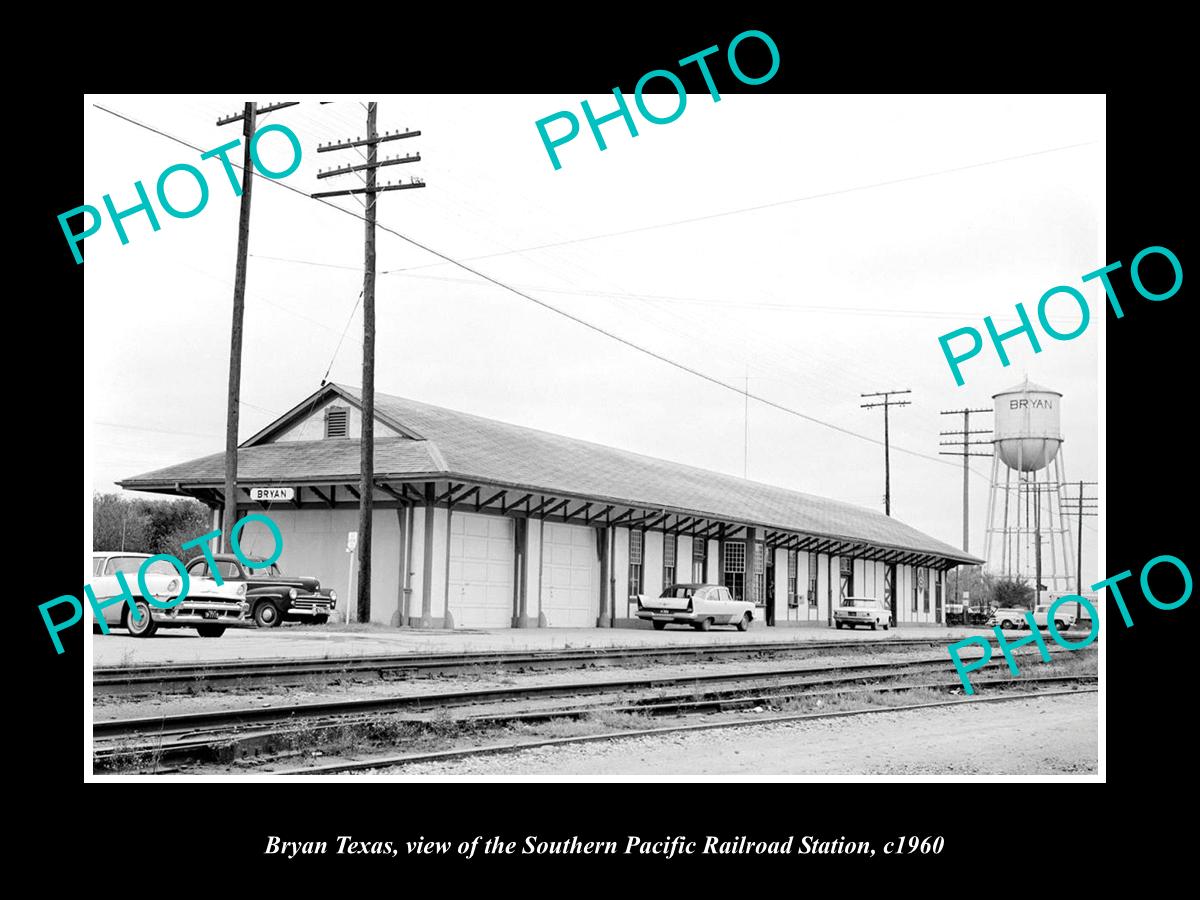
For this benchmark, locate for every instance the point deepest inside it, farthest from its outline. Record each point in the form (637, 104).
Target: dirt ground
(1039, 736)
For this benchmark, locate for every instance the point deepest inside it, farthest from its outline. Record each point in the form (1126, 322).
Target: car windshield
(858, 601)
(131, 564)
(272, 572)
(683, 593)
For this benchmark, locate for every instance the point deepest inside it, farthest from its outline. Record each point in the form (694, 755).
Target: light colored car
(208, 608)
(1008, 617)
(856, 611)
(1064, 616)
(698, 605)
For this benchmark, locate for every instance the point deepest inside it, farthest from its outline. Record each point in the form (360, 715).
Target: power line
(586, 324)
(333, 358)
(745, 209)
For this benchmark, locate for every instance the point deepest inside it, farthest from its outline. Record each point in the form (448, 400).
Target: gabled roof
(473, 448)
(295, 461)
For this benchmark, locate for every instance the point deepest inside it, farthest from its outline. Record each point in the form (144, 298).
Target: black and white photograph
(662, 435)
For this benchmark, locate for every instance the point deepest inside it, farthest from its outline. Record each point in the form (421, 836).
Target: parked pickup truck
(273, 596)
(698, 605)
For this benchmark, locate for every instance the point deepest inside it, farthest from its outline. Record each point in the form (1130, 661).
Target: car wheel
(745, 623)
(210, 630)
(885, 626)
(872, 626)
(659, 626)
(266, 615)
(704, 625)
(1061, 626)
(1006, 624)
(143, 627)
(839, 625)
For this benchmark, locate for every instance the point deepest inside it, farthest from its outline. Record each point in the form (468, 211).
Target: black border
(1149, 485)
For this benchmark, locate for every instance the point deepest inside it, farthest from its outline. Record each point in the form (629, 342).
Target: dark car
(273, 597)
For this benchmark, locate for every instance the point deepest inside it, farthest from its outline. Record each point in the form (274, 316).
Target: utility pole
(233, 403)
(965, 453)
(248, 117)
(887, 461)
(367, 440)
(1084, 506)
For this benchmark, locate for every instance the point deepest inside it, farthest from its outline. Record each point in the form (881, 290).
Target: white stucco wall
(652, 556)
(314, 543)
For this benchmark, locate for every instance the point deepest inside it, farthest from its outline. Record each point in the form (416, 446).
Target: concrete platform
(298, 641)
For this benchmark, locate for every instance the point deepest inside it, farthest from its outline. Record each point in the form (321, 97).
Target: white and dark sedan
(698, 605)
(208, 608)
(856, 611)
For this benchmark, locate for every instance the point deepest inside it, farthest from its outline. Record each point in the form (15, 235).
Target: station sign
(267, 494)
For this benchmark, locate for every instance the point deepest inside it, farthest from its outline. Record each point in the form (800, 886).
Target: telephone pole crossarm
(966, 453)
(372, 188)
(887, 403)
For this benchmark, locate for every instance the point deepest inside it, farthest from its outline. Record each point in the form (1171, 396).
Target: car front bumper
(202, 612)
(310, 606)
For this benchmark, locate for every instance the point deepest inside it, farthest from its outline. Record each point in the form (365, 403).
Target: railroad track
(757, 722)
(182, 677)
(231, 733)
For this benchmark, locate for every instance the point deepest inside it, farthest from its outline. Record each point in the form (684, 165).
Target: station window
(668, 559)
(937, 587)
(699, 558)
(812, 580)
(923, 586)
(337, 422)
(792, 600)
(914, 584)
(635, 565)
(847, 569)
(735, 568)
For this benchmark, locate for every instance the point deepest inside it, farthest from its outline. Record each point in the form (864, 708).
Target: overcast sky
(756, 236)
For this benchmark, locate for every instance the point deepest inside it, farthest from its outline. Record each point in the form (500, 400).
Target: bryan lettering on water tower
(1027, 534)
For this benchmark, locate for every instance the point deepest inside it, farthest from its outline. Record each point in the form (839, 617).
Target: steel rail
(230, 718)
(494, 749)
(112, 678)
(223, 743)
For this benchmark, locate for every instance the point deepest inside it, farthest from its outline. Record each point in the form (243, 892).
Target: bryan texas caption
(533, 846)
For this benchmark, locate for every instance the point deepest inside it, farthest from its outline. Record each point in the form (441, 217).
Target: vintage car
(698, 605)
(1064, 616)
(273, 597)
(1008, 617)
(208, 608)
(855, 611)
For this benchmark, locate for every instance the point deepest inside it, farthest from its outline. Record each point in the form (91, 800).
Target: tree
(975, 581)
(1013, 592)
(140, 525)
(118, 525)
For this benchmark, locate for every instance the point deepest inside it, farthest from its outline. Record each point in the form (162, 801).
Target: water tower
(1025, 505)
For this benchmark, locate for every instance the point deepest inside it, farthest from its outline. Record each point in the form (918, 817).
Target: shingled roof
(444, 443)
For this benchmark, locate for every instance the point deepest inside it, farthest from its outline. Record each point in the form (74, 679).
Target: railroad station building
(482, 524)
